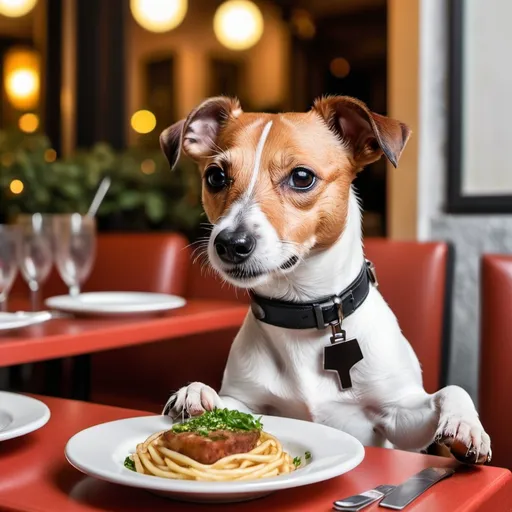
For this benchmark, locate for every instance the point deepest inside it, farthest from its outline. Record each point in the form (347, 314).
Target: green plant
(144, 193)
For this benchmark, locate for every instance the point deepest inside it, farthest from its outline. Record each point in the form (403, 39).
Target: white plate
(22, 319)
(115, 303)
(100, 451)
(20, 414)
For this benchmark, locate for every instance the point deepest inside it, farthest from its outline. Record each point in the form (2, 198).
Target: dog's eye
(216, 178)
(302, 179)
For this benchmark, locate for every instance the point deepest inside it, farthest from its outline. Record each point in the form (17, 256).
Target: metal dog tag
(341, 356)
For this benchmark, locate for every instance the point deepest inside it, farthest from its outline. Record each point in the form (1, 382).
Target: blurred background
(88, 85)
(104, 78)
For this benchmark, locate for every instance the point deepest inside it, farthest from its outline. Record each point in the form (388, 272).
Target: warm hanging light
(238, 24)
(21, 78)
(159, 15)
(16, 8)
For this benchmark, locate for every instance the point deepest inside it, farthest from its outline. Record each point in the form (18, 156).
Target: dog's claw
(466, 439)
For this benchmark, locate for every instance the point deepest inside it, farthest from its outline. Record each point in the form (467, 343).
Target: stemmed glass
(9, 249)
(75, 248)
(36, 254)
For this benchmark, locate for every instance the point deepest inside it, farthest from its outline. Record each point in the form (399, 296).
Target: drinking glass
(75, 248)
(9, 249)
(36, 254)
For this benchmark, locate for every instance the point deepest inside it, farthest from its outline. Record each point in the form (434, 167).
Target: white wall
(487, 97)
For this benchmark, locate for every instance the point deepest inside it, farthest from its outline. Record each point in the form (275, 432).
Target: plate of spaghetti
(221, 456)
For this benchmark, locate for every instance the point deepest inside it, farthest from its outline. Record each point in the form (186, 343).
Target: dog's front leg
(448, 416)
(196, 398)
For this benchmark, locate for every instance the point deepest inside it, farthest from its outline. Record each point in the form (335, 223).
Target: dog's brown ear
(197, 134)
(367, 134)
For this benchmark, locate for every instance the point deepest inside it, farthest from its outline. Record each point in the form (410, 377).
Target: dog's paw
(192, 400)
(466, 438)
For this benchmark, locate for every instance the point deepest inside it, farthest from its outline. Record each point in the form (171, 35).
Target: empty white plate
(20, 414)
(100, 451)
(22, 319)
(115, 303)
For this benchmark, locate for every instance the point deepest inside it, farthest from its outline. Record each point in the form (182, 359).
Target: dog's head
(276, 186)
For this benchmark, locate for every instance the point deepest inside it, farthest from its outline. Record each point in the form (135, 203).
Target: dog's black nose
(234, 246)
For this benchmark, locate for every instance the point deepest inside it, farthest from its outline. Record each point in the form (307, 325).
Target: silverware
(413, 487)
(359, 501)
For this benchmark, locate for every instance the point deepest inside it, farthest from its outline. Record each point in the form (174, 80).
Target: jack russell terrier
(319, 342)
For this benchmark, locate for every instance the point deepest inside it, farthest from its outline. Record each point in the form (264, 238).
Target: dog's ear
(367, 134)
(197, 134)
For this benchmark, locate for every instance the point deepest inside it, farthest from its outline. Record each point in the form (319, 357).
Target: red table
(65, 337)
(79, 337)
(35, 477)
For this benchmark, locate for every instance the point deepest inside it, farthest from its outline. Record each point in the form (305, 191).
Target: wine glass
(9, 249)
(36, 254)
(75, 248)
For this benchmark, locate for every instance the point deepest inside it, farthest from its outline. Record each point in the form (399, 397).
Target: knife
(413, 487)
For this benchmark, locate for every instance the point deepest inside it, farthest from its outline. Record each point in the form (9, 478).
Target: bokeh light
(16, 187)
(159, 15)
(50, 155)
(21, 78)
(143, 121)
(238, 24)
(28, 123)
(340, 67)
(148, 166)
(16, 8)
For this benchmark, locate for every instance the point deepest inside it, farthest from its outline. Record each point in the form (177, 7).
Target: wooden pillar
(100, 72)
(53, 73)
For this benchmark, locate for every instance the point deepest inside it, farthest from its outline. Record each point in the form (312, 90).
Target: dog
(286, 224)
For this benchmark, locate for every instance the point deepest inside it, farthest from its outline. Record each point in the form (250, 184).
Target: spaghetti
(155, 457)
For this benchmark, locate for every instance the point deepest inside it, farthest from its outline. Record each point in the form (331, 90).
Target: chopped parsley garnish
(219, 419)
(129, 464)
(297, 461)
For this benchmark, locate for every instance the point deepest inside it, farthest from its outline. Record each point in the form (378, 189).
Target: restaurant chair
(496, 355)
(415, 279)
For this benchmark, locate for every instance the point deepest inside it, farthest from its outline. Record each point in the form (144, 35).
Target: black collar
(319, 314)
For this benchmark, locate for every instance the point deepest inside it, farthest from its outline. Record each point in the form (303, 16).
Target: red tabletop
(35, 477)
(65, 337)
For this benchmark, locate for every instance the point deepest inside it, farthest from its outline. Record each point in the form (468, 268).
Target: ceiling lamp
(238, 24)
(158, 15)
(16, 8)
(21, 78)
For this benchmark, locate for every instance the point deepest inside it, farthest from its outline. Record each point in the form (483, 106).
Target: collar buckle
(318, 310)
(338, 334)
(372, 273)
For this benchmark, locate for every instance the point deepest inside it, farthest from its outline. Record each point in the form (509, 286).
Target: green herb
(307, 455)
(297, 462)
(129, 464)
(219, 419)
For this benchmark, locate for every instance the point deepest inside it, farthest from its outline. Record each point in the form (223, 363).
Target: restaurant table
(75, 336)
(35, 477)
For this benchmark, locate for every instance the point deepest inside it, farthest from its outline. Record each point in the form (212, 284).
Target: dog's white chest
(300, 387)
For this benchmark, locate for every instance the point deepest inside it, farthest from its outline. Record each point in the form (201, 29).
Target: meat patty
(217, 445)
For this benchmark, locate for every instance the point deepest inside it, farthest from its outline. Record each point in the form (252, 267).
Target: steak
(208, 449)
